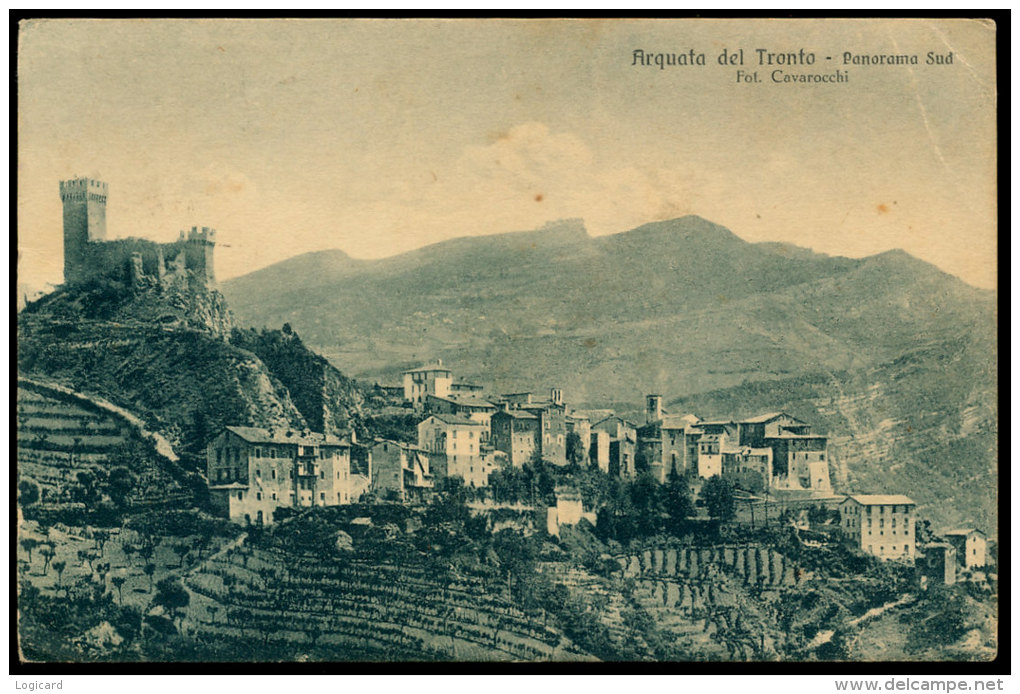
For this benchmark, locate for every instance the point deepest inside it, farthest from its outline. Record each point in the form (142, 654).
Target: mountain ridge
(686, 308)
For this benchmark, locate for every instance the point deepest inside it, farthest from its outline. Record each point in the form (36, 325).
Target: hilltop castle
(187, 262)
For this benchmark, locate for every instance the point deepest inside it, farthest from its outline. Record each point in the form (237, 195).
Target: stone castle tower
(187, 262)
(84, 222)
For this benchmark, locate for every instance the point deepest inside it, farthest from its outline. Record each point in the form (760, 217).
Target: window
(258, 473)
(258, 452)
(322, 474)
(240, 495)
(322, 497)
(272, 452)
(273, 473)
(258, 496)
(274, 496)
(219, 455)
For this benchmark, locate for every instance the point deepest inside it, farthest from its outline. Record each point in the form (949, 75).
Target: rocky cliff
(168, 358)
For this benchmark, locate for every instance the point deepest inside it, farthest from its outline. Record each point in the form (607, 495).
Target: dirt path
(824, 636)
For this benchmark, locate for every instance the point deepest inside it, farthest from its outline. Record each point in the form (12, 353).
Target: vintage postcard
(507, 341)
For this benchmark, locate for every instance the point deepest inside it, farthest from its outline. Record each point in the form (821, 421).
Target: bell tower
(84, 222)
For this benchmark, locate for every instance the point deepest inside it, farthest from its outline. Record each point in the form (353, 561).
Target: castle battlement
(203, 235)
(87, 252)
(70, 190)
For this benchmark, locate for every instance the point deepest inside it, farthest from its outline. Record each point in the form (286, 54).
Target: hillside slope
(182, 376)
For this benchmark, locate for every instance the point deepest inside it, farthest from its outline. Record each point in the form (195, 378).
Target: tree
(47, 553)
(149, 570)
(147, 551)
(101, 537)
(717, 494)
(923, 533)
(170, 594)
(59, 567)
(122, 483)
(679, 506)
(86, 556)
(516, 555)
(28, 492)
(647, 495)
(181, 549)
(29, 544)
(575, 448)
(118, 583)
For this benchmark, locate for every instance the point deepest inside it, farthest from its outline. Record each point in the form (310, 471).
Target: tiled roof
(676, 421)
(433, 367)
(767, 417)
(399, 444)
(789, 435)
(282, 435)
(455, 419)
(466, 400)
(882, 499)
(617, 417)
(962, 531)
(517, 414)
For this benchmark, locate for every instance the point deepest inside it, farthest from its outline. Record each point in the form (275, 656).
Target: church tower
(84, 222)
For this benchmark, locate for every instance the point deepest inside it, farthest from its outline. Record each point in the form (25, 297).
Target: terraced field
(61, 435)
(377, 610)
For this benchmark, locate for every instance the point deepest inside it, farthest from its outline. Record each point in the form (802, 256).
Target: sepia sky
(377, 137)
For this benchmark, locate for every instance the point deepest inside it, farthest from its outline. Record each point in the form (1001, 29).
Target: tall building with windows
(427, 380)
(253, 471)
(454, 447)
(880, 524)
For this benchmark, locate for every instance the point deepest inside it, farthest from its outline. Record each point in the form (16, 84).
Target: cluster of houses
(464, 433)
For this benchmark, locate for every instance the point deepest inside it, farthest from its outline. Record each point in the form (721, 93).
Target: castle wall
(87, 253)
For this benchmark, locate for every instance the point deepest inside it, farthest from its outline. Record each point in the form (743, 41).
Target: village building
(400, 471)
(454, 445)
(469, 405)
(516, 433)
(254, 471)
(579, 431)
(464, 388)
(880, 524)
(971, 546)
(524, 427)
(568, 510)
(361, 470)
(717, 439)
(752, 467)
(430, 379)
(598, 449)
(937, 564)
(552, 426)
(799, 457)
(622, 445)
